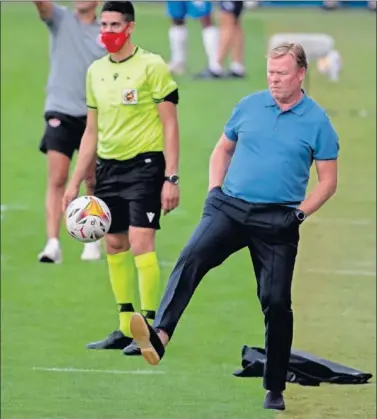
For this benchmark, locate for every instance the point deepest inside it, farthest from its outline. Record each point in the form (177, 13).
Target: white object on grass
(319, 47)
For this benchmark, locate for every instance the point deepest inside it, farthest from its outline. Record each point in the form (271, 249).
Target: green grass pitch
(49, 313)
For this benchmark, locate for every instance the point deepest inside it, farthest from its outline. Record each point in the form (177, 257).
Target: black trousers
(271, 232)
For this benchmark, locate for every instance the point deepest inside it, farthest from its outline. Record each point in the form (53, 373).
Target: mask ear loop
(128, 24)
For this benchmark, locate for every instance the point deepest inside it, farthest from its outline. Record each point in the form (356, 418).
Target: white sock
(178, 37)
(237, 68)
(53, 242)
(335, 65)
(211, 47)
(93, 245)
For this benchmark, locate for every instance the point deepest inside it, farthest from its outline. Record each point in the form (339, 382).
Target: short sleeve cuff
(166, 91)
(231, 135)
(324, 158)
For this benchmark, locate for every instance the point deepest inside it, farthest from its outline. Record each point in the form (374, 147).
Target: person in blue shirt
(259, 172)
(178, 12)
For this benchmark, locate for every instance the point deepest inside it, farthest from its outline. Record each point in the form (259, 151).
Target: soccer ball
(88, 219)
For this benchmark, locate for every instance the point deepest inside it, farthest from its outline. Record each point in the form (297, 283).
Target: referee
(74, 38)
(132, 127)
(259, 173)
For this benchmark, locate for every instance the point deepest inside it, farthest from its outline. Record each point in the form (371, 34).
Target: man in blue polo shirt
(259, 173)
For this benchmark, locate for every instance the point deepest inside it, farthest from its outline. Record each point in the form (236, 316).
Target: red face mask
(114, 41)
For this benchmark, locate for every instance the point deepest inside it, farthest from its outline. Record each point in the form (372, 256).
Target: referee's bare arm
(86, 156)
(44, 9)
(167, 110)
(168, 115)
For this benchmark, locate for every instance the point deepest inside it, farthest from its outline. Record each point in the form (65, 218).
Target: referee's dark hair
(126, 8)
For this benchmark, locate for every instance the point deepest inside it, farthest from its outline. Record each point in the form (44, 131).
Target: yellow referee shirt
(125, 95)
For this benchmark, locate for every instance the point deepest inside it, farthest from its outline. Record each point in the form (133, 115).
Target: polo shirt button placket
(276, 121)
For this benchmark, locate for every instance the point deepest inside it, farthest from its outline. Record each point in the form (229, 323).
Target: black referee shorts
(132, 190)
(233, 7)
(63, 133)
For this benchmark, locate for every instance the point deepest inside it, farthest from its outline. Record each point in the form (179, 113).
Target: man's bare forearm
(218, 166)
(321, 193)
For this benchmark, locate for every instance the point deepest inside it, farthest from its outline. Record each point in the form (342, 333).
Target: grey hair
(288, 48)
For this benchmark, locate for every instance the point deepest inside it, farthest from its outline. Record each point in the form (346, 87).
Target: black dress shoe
(115, 340)
(235, 75)
(274, 400)
(208, 74)
(132, 349)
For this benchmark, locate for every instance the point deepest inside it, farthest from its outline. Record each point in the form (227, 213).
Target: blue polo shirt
(275, 149)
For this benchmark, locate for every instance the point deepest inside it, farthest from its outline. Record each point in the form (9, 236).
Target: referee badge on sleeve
(129, 97)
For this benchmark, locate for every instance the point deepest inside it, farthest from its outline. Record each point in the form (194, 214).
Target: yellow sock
(123, 283)
(149, 283)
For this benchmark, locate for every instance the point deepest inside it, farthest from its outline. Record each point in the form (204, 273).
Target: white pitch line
(78, 370)
(342, 221)
(342, 272)
(15, 207)
(364, 263)
(7, 208)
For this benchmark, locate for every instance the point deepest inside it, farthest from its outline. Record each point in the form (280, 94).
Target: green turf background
(49, 313)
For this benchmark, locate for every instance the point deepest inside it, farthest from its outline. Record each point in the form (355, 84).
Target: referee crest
(129, 97)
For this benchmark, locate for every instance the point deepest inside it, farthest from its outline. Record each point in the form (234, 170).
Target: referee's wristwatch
(174, 179)
(300, 215)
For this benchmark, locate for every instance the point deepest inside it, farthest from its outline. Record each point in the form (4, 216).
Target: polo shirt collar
(299, 108)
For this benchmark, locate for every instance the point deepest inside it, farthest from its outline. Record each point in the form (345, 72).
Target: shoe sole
(140, 333)
(274, 408)
(96, 348)
(46, 259)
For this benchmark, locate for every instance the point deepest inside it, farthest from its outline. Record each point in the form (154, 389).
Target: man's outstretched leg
(216, 237)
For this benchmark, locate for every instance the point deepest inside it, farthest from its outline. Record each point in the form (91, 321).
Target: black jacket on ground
(304, 369)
